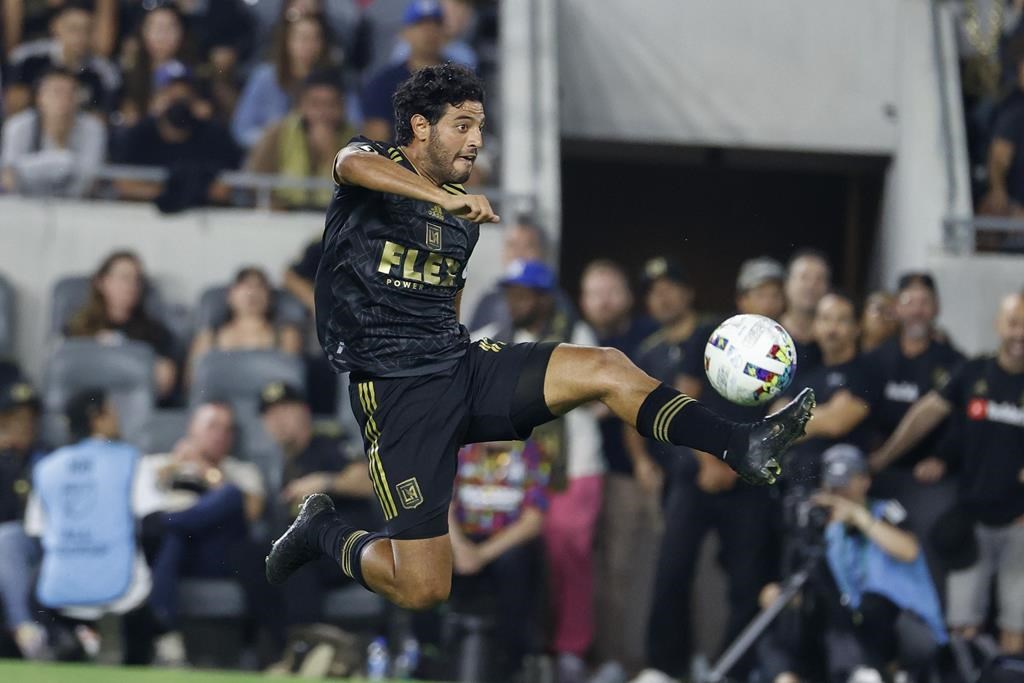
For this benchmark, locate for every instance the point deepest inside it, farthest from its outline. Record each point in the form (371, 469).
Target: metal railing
(961, 233)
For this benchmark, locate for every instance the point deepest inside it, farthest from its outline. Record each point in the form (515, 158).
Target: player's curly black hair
(429, 91)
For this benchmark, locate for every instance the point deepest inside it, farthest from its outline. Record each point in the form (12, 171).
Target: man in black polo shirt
(315, 460)
(899, 372)
(985, 399)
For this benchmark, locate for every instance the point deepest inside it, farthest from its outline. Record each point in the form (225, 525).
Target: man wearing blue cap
(400, 230)
(423, 32)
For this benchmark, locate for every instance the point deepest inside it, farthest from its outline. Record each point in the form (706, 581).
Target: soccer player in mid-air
(399, 232)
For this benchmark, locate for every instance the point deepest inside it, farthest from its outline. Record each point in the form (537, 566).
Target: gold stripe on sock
(671, 415)
(658, 429)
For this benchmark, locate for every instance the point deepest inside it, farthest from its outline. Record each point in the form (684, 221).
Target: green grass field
(30, 672)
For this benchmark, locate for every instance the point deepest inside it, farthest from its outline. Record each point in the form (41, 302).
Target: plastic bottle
(377, 660)
(408, 659)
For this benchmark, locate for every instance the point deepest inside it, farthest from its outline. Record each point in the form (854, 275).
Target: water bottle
(377, 660)
(408, 659)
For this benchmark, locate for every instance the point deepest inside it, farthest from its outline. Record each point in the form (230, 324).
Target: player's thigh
(423, 560)
(580, 374)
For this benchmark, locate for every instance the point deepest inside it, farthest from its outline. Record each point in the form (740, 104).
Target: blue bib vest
(89, 539)
(860, 566)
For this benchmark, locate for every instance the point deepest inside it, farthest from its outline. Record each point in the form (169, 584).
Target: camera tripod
(750, 634)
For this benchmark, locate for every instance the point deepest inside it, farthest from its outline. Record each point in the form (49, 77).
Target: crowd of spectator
(195, 87)
(905, 498)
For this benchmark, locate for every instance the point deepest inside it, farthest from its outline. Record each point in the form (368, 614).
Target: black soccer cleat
(759, 448)
(292, 550)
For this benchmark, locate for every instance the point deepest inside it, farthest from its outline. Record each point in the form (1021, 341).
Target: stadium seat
(125, 370)
(353, 606)
(213, 306)
(166, 427)
(238, 377)
(7, 318)
(212, 612)
(71, 292)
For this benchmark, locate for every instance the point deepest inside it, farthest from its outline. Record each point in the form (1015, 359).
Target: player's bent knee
(609, 364)
(427, 594)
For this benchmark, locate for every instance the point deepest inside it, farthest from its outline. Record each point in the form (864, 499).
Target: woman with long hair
(302, 44)
(115, 309)
(160, 39)
(249, 323)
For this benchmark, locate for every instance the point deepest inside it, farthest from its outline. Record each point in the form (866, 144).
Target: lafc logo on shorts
(490, 345)
(434, 233)
(409, 493)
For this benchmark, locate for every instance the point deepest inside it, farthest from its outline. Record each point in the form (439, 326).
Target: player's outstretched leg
(371, 559)
(579, 374)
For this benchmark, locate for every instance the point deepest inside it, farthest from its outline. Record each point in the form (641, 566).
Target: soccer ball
(750, 359)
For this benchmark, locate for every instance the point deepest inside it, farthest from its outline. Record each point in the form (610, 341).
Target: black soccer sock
(341, 542)
(671, 416)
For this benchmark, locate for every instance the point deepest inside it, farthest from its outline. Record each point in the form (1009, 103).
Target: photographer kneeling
(874, 600)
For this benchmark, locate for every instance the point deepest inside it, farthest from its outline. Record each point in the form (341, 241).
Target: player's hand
(843, 510)
(929, 470)
(471, 207)
(649, 476)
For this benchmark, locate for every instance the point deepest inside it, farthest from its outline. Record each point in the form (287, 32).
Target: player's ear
(420, 127)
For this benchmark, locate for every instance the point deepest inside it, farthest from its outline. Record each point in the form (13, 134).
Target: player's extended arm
(920, 420)
(354, 166)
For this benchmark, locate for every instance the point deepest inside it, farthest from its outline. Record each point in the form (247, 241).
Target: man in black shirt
(315, 460)
(400, 230)
(985, 399)
(706, 495)
(844, 401)
(808, 277)
(899, 372)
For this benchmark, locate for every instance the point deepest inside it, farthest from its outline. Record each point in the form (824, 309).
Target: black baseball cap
(278, 393)
(16, 394)
(661, 267)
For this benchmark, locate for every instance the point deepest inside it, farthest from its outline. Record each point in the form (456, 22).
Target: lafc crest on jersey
(433, 236)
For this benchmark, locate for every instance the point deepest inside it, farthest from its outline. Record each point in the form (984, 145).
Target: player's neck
(914, 346)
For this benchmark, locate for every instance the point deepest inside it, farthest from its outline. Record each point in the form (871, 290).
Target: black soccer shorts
(413, 427)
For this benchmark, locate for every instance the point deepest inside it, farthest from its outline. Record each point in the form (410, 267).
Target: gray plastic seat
(8, 305)
(166, 426)
(124, 370)
(71, 293)
(213, 308)
(353, 603)
(238, 377)
(210, 599)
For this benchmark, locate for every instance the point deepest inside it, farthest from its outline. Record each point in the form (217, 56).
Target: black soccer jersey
(386, 285)
(987, 438)
(896, 382)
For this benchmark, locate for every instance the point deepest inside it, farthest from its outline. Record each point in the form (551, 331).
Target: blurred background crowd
(170, 392)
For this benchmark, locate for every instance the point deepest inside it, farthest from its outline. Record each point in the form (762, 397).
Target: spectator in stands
(206, 501)
(53, 148)
(424, 32)
(301, 46)
(69, 49)
(901, 371)
(459, 22)
(177, 136)
(523, 240)
(878, 321)
(83, 504)
(304, 143)
(983, 399)
(115, 310)
(19, 453)
(495, 520)
(807, 280)
(627, 534)
(28, 20)
(250, 321)
(1005, 194)
(708, 497)
(316, 461)
(872, 599)
(573, 444)
(160, 40)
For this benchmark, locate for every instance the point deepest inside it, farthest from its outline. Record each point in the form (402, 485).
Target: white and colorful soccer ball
(750, 359)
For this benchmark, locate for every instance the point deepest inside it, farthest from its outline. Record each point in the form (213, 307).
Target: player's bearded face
(455, 141)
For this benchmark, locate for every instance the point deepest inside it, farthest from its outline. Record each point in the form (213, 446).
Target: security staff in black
(899, 372)
(985, 401)
(400, 231)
